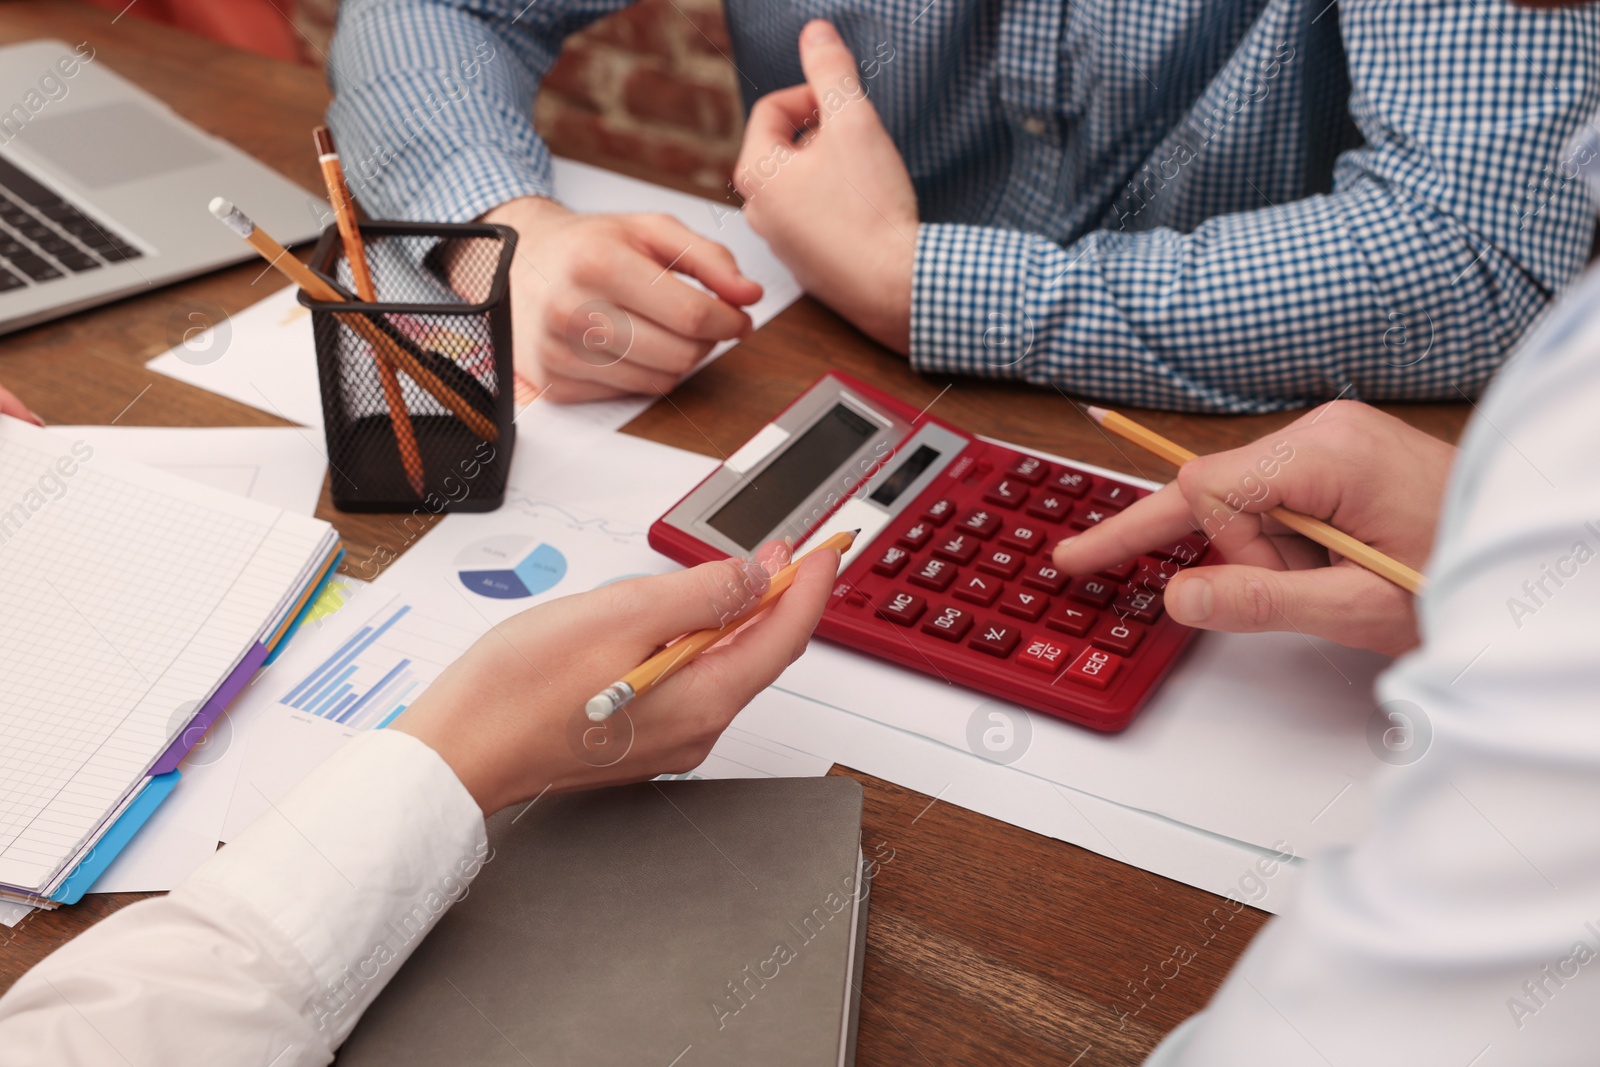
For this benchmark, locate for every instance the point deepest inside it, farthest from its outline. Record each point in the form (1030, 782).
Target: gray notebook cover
(683, 923)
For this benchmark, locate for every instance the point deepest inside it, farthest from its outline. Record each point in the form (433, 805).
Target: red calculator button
(1025, 604)
(935, 574)
(903, 608)
(1087, 515)
(958, 547)
(918, 535)
(1138, 604)
(1094, 668)
(1030, 469)
(1005, 562)
(1043, 654)
(1051, 506)
(1071, 620)
(1071, 483)
(1153, 576)
(939, 511)
(979, 589)
(1122, 571)
(1045, 577)
(996, 638)
(892, 562)
(1115, 495)
(950, 623)
(1026, 538)
(1184, 552)
(982, 522)
(1008, 492)
(1093, 591)
(1118, 635)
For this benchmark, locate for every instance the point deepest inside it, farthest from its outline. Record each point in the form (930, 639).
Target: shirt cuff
(472, 180)
(356, 865)
(969, 297)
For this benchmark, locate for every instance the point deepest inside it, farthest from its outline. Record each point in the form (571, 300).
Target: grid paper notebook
(127, 596)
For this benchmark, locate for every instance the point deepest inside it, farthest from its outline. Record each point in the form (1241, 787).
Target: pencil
(664, 664)
(321, 289)
(355, 253)
(1315, 529)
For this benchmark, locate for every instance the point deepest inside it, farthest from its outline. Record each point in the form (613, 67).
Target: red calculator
(951, 573)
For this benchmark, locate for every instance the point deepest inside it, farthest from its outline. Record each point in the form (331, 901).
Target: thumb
(830, 69)
(1341, 603)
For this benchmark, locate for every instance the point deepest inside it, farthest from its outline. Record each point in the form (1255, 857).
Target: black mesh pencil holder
(417, 387)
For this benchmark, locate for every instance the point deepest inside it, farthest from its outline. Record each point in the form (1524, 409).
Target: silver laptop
(103, 190)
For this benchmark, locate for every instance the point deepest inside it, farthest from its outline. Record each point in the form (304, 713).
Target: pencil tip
(1097, 414)
(323, 140)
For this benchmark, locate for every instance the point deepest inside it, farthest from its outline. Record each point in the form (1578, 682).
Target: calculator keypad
(965, 572)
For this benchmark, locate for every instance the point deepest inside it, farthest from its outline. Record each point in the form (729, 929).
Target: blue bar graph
(366, 682)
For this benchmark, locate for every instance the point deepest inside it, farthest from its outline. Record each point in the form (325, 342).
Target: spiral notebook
(133, 605)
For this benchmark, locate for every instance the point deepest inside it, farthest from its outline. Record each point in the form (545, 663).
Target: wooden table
(987, 944)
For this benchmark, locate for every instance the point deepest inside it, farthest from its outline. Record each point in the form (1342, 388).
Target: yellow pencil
(664, 664)
(320, 289)
(355, 253)
(1335, 540)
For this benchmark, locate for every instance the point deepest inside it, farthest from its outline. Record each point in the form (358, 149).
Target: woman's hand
(508, 715)
(10, 405)
(1366, 473)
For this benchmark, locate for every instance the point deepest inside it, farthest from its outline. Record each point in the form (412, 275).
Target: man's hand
(508, 716)
(823, 183)
(1367, 473)
(10, 405)
(597, 308)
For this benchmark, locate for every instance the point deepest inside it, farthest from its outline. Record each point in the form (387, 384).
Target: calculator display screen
(769, 497)
(897, 482)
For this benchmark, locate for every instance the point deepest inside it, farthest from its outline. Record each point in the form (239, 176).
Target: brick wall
(650, 91)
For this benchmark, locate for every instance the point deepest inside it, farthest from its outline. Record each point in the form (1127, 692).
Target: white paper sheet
(278, 465)
(264, 356)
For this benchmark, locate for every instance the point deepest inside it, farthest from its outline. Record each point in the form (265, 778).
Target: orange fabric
(261, 26)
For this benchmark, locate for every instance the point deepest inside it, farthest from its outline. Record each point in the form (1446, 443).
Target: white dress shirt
(1464, 931)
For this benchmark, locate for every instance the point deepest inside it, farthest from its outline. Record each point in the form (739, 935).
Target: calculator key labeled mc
(949, 622)
(892, 562)
(996, 638)
(902, 607)
(1008, 492)
(935, 574)
(1094, 668)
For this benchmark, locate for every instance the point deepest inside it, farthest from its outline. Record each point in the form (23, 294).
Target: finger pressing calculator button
(1094, 667)
(1030, 469)
(935, 574)
(1008, 492)
(1122, 571)
(1072, 620)
(1026, 604)
(902, 607)
(917, 536)
(950, 623)
(1045, 577)
(1051, 506)
(892, 562)
(1043, 654)
(1019, 536)
(1141, 605)
(1117, 635)
(1006, 562)
(1115, 494)
(982, 522)
(1070, 483)
(939, 511)
(996, 638)
(958, 547)
(978, 589)
(1096, 592)
(1091, 514)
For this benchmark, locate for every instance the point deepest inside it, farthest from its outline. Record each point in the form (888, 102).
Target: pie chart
(510, 567)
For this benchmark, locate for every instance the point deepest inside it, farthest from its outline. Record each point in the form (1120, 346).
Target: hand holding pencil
(1364, 473)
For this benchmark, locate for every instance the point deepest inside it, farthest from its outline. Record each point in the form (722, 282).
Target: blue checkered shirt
(1206, 205)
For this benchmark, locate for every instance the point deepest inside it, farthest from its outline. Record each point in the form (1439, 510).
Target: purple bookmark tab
(212, 710)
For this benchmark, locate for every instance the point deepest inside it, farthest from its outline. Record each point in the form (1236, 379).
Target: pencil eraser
(599, 708)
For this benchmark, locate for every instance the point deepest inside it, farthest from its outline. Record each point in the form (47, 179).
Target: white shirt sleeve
(1465, 929)
(270, 952)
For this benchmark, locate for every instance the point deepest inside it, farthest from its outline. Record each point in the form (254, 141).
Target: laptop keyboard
(43, 237)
